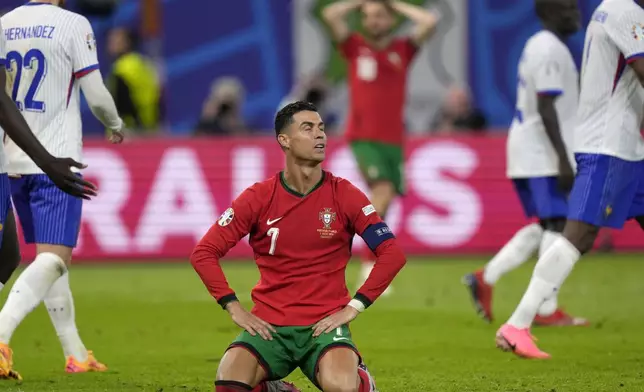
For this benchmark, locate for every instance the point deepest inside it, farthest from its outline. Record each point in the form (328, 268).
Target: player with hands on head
(539, 154)
(42, 42)
(378, 63)
(301, 224)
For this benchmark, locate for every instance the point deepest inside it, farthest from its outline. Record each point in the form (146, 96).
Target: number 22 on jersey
(30, 68)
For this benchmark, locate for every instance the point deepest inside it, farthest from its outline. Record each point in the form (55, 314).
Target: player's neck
(554, 31)
(302, 179)
(53, 2)
(379, 43)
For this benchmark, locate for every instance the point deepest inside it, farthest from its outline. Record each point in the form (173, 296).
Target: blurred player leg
(382, 168)
(9, 250)
(514, 253)
(591, 207)
(51, 220)
(22, 296)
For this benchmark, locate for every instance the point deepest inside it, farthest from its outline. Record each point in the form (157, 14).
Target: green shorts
(293, 347)
(380, 162)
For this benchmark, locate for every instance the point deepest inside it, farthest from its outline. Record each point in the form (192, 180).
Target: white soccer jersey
(611, 103)
(546, 67)
(48, 49)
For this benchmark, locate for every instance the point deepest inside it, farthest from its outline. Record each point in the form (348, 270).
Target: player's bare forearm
(425, 20)
(390, 259)
(14, 124)
(548, 113)
(335, 17)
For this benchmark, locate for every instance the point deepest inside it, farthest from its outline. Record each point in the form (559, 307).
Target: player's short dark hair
(543, 8)
(284, 117)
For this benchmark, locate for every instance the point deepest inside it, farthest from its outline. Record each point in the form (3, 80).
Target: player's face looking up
(304, 139)
(377, 19)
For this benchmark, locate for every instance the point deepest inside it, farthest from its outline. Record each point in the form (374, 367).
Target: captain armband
(376, 234)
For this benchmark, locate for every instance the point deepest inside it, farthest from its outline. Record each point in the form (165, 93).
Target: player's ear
(284, 141)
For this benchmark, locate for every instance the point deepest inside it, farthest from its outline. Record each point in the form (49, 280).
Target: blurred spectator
(457, 114)
(134, 83)
(313, 89)
(221, 113)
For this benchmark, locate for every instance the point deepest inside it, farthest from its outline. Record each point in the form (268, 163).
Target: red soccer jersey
(302, 244)
(377, 85)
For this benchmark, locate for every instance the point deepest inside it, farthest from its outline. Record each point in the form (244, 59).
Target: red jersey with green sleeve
(302, 244)
(377, 86)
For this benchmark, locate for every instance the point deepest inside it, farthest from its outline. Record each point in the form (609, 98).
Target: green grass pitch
(158, 330)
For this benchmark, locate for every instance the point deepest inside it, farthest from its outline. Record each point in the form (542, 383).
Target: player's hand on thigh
(338, 370)
(248, 321)
(337, 319)
(239, 365)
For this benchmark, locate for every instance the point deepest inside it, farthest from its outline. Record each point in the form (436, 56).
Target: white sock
(60, 305)
(547, 240)
(549, 306)
(514, 253)
(549, 274)
(28, 291)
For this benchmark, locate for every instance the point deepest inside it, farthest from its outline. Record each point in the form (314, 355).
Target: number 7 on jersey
(273, 232)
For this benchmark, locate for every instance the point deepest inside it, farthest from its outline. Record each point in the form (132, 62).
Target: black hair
(284, 117)
(543, 8)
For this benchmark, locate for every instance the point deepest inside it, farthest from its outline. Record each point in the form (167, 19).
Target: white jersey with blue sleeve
(611, 104)
(48, 50)
(546, 68)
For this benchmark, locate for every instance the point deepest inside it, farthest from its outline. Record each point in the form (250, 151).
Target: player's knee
(553, 224)
(581, 235)
(345, 381)
(62, 251)
(238, 365)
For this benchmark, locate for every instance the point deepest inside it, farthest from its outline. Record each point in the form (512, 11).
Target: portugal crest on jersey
(327, 216)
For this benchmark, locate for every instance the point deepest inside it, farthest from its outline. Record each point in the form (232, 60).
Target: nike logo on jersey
(336, 339)
(270, 222)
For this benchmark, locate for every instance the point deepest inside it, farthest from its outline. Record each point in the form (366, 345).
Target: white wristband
(357, 305)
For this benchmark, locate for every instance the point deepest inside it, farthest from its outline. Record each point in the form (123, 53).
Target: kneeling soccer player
(301, 224)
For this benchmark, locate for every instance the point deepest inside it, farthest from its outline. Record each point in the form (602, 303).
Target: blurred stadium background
(224, 68)
(161, 191)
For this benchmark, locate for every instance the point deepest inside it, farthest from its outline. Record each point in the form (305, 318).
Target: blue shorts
(47, 214)
(5, 201)
(540, 197)
(608, 191)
